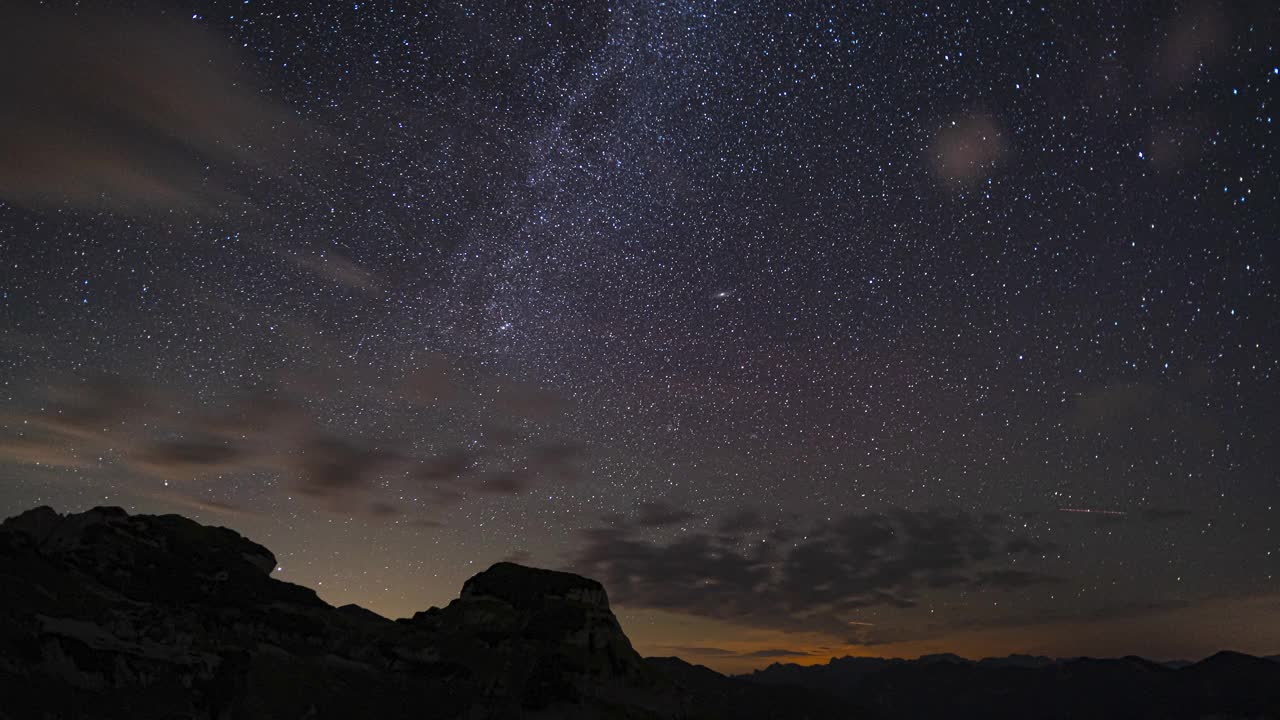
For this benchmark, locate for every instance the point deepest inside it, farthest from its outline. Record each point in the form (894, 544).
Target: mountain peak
(1227, 659)
(527, 587)
(149, 616)
(117, 611)
(111, 535)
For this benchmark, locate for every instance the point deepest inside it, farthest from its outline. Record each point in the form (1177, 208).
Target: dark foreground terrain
(1226, 685)
(107, 615)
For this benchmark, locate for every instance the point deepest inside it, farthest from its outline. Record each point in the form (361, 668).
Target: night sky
(856, 328)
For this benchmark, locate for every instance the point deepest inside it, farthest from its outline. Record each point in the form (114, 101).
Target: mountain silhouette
(1226, 685)
(109, 615)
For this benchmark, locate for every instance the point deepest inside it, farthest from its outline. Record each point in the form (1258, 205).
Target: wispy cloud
(133, 115)
(156, 434)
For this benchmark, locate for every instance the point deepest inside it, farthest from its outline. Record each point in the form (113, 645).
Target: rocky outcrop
(538, 638)
(103, 613)
(109, 615)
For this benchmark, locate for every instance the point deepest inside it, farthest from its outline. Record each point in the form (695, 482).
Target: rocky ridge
(1224, 685)
(109, 615)
(105, 614)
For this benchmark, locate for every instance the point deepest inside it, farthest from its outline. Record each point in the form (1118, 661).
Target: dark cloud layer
(661, 514)
(818, 582)
(131, 115)
(747, 520)
(700, 650)
(173, 439)
(188, 457)
(775, 653)
(715, 652)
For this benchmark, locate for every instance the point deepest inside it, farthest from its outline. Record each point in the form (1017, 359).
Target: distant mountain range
(1225, 685)
(109, 615)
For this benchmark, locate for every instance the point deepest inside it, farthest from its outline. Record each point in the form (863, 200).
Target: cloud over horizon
(809, 579)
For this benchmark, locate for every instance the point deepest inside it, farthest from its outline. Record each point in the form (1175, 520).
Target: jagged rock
(552, 610)
(108, 615)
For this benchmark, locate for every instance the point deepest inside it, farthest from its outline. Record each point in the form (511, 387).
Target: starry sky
(809, 329)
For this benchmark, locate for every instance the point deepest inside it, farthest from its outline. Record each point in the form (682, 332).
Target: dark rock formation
(536, 639)
(108, 615)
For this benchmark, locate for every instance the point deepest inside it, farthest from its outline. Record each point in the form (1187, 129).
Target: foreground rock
(108, 615)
